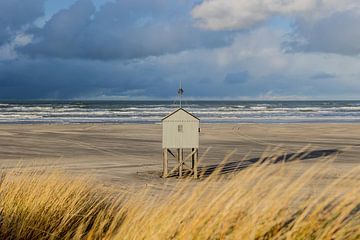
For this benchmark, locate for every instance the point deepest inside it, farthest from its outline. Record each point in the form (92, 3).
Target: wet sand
(130, 154)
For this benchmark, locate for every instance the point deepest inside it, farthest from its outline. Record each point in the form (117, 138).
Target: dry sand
(130, 154)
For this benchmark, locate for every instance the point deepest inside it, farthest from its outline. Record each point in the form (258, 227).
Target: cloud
(8, 52)
(239, 14)
(16, 14)
(85, 52)
(67, 79)
(255, 59)
(63, 35)
(323, 76)
(338, 33)
(329, 26)
(237, 77)
(126, 29)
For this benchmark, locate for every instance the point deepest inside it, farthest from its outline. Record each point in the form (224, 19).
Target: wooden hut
(180, 135)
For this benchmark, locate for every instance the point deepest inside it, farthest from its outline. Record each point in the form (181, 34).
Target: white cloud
(8, 50)
(238, 14)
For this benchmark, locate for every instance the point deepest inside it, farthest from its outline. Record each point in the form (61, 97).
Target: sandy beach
(130, 154)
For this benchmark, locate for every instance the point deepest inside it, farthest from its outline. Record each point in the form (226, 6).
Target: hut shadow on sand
(235, 166)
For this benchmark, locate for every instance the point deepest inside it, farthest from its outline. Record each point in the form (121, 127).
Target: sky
(141, 49)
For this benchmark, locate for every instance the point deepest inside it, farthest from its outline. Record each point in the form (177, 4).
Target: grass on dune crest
(264, 201)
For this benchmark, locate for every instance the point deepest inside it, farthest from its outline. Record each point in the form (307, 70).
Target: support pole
(193, 158)
(196, 159)
(165, 163)
(180, 155)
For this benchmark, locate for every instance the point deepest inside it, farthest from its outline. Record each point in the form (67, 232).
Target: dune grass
(264, 201)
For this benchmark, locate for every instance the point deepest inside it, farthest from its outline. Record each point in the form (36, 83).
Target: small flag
(181, 91)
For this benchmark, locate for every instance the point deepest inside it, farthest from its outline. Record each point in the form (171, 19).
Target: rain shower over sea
(64, 112)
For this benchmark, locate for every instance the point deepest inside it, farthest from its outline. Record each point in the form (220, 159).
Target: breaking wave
(152, 112)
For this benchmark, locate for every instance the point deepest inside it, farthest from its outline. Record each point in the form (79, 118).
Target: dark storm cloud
(339, 33)
(323, 76)
(237, 78)
(63, 35)
(124, 29)
(66, 79)
(14, 14)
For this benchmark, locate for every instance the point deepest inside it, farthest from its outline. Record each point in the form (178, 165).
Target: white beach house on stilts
(180, 136)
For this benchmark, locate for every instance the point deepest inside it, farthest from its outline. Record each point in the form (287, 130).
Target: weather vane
(180, 93)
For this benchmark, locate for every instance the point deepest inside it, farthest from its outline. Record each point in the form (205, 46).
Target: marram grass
(265, 201)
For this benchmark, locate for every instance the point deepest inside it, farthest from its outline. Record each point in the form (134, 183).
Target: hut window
(180, 128)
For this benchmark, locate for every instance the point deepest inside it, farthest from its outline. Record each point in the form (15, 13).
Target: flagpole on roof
(180, 93)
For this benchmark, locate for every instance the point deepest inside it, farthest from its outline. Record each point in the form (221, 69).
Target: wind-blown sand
(131, 153)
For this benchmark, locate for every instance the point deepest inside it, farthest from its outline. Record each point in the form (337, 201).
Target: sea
(69, 112)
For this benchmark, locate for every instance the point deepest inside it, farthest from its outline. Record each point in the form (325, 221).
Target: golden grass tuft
(264, 201)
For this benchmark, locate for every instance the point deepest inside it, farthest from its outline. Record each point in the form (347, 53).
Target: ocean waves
(153, 112)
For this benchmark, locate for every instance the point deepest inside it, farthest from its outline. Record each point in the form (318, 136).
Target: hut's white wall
(187, 138)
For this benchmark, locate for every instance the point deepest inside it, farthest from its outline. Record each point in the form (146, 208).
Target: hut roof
(177, 111)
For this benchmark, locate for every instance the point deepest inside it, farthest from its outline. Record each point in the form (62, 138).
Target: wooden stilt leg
(165, 163)
(180, 162)
(196, 159)
(192, 159)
